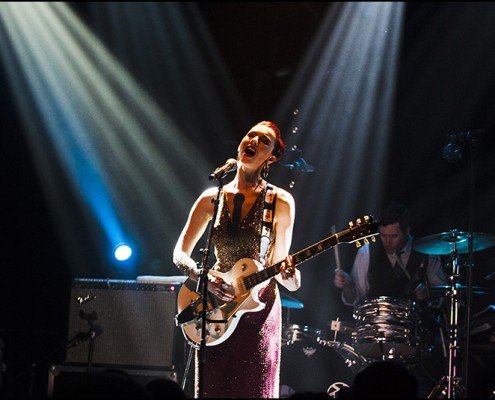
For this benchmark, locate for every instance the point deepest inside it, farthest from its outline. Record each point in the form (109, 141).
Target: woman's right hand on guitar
(221, 289)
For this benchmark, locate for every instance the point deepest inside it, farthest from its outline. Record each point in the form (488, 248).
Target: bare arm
(289, 276)
(199, 216)
(197, 221)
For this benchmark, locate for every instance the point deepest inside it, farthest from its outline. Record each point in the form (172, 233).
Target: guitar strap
(267, 224)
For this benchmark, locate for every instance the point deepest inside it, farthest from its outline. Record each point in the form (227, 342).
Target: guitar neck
(298, 258)
(315, 249)
(349, 235)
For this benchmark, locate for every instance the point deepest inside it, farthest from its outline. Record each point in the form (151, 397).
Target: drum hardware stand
(451, 384)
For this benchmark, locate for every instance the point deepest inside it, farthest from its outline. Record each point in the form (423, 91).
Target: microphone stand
(470, 140)
(202, 287)
(453, 153)
(93, 331)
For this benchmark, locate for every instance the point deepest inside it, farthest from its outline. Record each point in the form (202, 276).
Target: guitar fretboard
(352, 234)
(298, 258)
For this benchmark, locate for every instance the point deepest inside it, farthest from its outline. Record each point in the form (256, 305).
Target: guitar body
(222, 317)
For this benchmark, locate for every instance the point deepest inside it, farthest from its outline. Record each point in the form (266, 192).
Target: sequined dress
(247, 364)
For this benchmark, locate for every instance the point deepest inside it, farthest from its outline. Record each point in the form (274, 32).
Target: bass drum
(310, 363)
(390, 328)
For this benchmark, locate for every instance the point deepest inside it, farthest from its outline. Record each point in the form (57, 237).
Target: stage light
(122, 252)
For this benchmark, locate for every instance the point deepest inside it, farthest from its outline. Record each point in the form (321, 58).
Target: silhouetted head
(385, 379)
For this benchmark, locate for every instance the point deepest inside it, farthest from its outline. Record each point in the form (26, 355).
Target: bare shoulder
(205, 199)
(209, 192)
(284, 196)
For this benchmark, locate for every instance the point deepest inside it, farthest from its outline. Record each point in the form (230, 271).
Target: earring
(265, 171)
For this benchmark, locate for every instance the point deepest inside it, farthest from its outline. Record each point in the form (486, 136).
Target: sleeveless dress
(247, 364)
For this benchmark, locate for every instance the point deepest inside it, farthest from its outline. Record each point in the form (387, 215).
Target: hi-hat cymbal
(290, 302)
(443, 243)
(442, 289)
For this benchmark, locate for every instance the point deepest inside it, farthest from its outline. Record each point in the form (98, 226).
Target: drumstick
(336, 249)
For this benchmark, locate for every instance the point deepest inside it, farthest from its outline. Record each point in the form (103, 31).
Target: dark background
(440, 60)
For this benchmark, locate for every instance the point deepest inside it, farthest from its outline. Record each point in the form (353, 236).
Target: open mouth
(250, 151)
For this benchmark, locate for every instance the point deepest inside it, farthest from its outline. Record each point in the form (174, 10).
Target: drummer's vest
(384, 281)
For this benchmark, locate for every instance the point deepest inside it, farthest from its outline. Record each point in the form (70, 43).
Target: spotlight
(122, 252)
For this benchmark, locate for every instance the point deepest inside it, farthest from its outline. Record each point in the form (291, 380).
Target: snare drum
(389, 328)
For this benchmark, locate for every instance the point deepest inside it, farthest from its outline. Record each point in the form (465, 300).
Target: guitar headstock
(362, 229)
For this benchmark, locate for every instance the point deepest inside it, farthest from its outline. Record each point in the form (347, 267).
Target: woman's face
(257, 146)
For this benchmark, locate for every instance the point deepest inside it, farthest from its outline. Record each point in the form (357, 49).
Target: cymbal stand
(451, 385)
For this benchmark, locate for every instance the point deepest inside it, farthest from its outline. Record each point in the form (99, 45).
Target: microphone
(452, 152)
(300, 165)
(220, 173)
(82, 337)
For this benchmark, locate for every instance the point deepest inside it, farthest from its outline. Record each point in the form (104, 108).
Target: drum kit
(386, 328)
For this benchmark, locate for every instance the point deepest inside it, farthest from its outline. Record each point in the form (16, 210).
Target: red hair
(279, 149)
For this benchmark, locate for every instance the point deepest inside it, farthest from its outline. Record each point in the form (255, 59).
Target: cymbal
(443, 243)
(290, 302)
(476, 290)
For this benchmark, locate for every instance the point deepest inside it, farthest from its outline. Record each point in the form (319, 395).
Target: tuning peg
(358, 220)
(351, 224)
(366, 218)
(366, 241)
(358, 244)
(373, 239)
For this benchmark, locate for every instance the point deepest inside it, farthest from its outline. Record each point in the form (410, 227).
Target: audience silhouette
(384, 379)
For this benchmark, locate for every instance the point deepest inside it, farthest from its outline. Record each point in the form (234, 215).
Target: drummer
(391, 267)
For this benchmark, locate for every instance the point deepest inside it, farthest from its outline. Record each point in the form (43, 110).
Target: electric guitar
(247, 276)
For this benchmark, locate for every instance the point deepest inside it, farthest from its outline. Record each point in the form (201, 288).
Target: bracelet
(185, 265)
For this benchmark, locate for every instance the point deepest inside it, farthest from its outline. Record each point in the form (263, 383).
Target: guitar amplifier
(122, 323)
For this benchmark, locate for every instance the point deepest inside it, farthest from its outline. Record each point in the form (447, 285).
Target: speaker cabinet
(122, 323)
